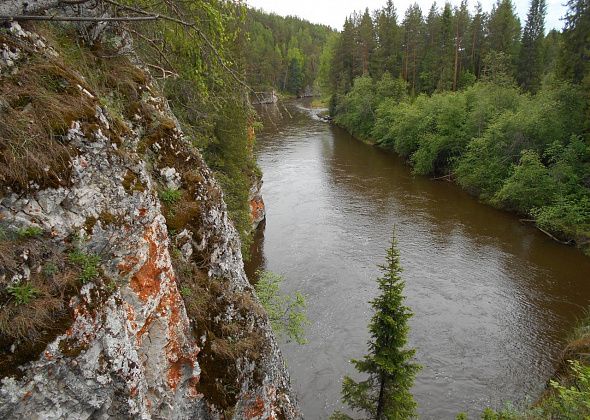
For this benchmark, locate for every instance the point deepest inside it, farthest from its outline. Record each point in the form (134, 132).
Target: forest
(283, 53)
(475, 98)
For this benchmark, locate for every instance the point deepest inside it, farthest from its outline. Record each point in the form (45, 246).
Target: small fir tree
(385, 394)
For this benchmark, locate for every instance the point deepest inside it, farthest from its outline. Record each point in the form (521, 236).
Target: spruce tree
(413, 33)
(366, 33)
(574, 62)
(504, 28)
(530, 59)
(476, 43)
(387, 57)
(385, 394)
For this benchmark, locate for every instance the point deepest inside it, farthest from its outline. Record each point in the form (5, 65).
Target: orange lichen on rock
(257, 208)
(256, 409)
(146, 282)
(125, 267)
(145, 328)
(179, 356)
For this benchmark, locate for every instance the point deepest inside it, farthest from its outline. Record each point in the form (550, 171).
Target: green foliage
(568, 399)
(569, 216)
(295, 80)
(170, 196)
(530, 59)
(23, 293)
(573, 401)
(356, 112)
(50, 269)
(284, 53)
(88, 264)
(389, 364)
(30, 232)
(504, 28)
(530, 185)
(515, 151)
(286, 313)
(573, 63)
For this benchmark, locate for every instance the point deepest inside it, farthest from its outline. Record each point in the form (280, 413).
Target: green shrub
(286, 313)
(30, 232)
(170, 196)
(88, 263)
(567, 400)
(23, 293)
(50, 269)
(356, 112)
(571, 401)
(570, 215)
(530, 185)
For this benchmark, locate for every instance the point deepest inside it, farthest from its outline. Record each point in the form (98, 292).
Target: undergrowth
(33, 310)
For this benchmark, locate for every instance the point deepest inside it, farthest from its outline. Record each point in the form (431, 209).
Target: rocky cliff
(122, 288)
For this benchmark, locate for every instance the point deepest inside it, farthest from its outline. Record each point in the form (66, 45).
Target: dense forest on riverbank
(470, 97)
(283, 53)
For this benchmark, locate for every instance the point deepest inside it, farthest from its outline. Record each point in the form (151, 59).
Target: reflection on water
(493, 299)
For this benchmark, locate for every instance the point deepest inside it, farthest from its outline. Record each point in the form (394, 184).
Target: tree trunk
(475, 69)
(414, 74)
(381, 400)
(457, 43)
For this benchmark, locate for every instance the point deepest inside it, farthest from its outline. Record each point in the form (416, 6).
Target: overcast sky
(333, 12)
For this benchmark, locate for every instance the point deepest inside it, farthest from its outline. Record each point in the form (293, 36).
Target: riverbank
(492, 308)
(493, 141)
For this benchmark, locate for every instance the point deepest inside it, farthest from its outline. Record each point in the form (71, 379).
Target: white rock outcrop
(131, 350)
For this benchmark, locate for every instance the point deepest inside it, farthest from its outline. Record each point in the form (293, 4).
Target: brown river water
(493, 299)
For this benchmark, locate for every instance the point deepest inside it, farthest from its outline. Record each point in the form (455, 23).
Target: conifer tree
(413, 31)
(385, 394)
(504, 28)
(387, 53)
(444, 71)
(530, 59)
(366, 40)
(477, 35)
(574, 62)
(461, 22)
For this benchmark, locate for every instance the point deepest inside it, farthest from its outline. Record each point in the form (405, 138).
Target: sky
(333, 12)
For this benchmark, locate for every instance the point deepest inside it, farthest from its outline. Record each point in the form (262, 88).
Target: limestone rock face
(135, 347)
(257, 208)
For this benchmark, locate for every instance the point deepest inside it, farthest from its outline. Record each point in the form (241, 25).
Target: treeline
(506, 116)
(446, 49)
(283, 53)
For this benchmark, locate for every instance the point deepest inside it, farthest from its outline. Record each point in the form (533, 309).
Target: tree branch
(80, 18)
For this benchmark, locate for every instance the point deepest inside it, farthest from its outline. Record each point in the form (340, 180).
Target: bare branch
(153, 44)
(143, 12)
(79, 18)
(165, 73)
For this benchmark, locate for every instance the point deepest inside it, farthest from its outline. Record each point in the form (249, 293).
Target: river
(493, 299)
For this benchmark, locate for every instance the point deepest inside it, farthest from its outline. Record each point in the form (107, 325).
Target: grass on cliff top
(46, 94)
(38, 105)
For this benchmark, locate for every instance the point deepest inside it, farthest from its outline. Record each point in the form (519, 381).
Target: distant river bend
(493, 299)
